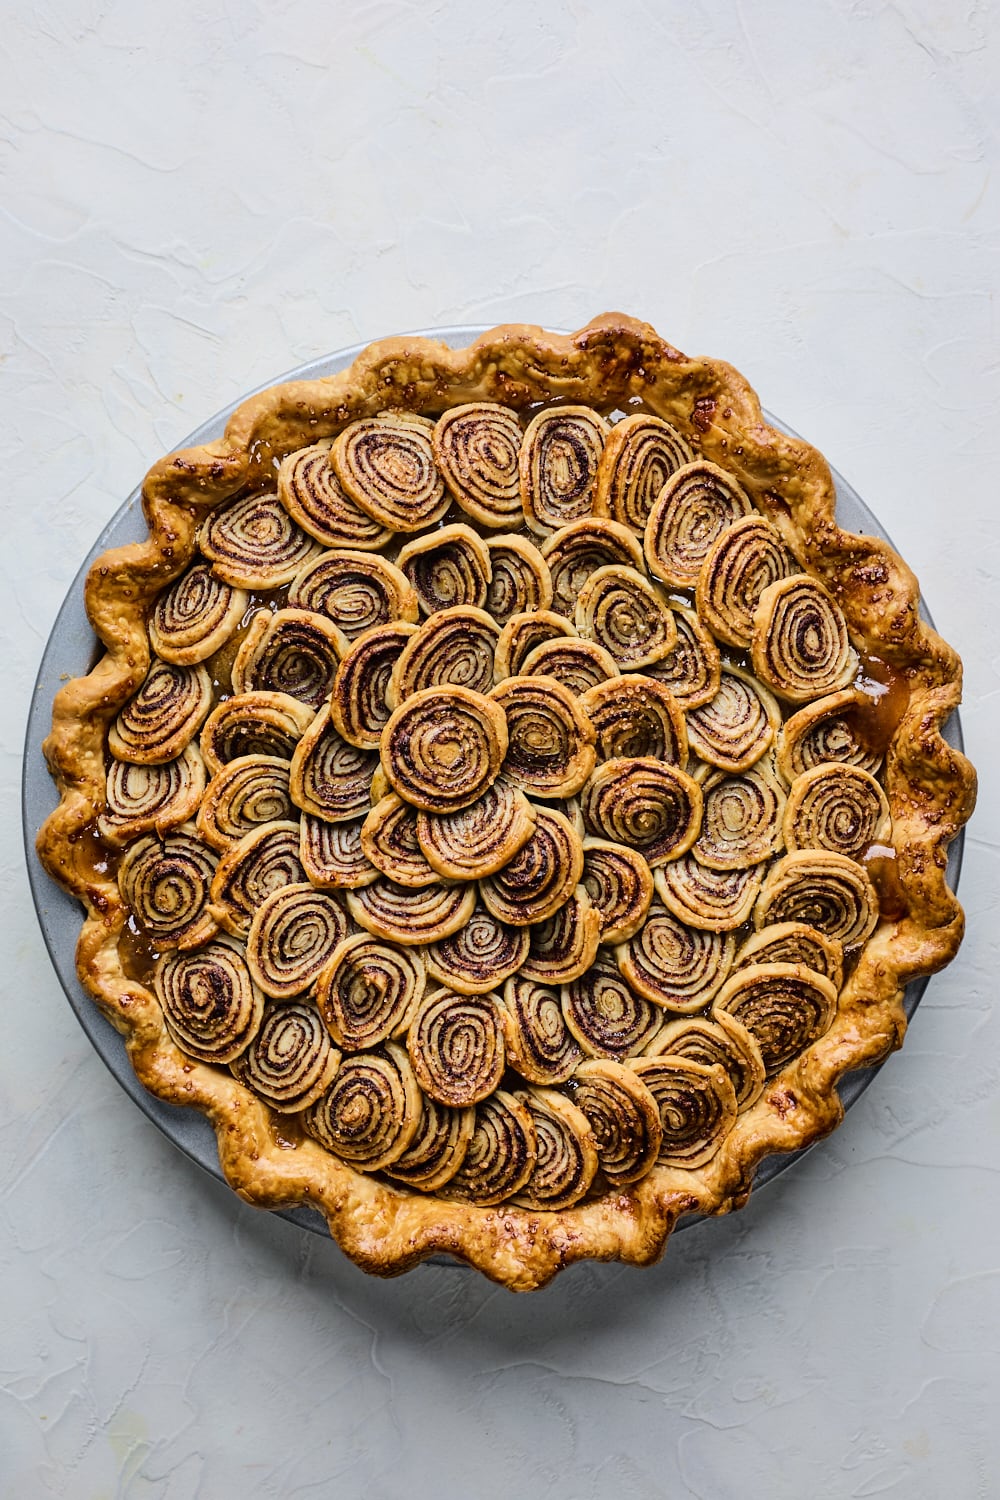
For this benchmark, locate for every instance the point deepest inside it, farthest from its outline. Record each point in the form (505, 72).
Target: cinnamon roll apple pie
(516, 803)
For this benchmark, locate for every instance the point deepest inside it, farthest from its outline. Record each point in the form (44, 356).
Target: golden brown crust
(930, 786)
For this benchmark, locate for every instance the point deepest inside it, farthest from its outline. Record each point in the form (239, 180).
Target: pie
(507, 804)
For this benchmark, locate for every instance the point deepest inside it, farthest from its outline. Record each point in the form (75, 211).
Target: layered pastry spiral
(211, 1005)
(800, 647)
(448, 568)
(291, 938)
(690, 513)
(314, 498)
(354, 590)
(291, 1061)
(477, 448)
(195, 616)
(482, 837)
(785, 1007)
(576, 551)
(253, 543)
(368, 991)
(148, 799)
(559, 461)
(386, 466)
(253, 724)
(293, 651)
(650, 807)
(550, 740)
(167, 884)
(539, 1043)
(520, 581)
(641, 453)
(245, 794)
(456, 1045)
(369, 1114)
(159, 723)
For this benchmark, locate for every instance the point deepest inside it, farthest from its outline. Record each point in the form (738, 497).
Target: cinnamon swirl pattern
(635, 716)
(691, 512)
(448, 568)
(456, 1045)
(785, 1007)
(355, 591)
(443, 748)
(151, 799)
(456, 647)
(576, 551)
(332, 856)
(743, 561)
(369, 991)
(559, 461)
(550, 742)
(619, 883)
(211, 1006)
(692, 670)
(540, 1046)
(541, 876)
(386, 466)
(608, 1018)
(480, 956)
(737, 726)
(566, 945)
(623, 613)
(697, 1107)
(369, 1114)
(389, 841)
(245, 794)
(650, 807)
(291, 937)
(520, 582)
(312, 495)
(840, 808)
(159, 723)
(166, 884)
(521, 634)
(481, 838)
(329, 777)
(674, 965)
(800, 646)
(577, 664)
(477, 448)
(359, 701)
(253, 724)
(624, 1117)
(566, 1151)
(291, 1061)
(827, 731)
(253, 543)
(195, 617)
(293, 651)
(501, 1155)
(641, 453)
(721, 1042)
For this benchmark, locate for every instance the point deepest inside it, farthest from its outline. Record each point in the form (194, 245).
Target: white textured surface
(198, 196)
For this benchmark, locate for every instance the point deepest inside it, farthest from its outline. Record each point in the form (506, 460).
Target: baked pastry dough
(662, 741)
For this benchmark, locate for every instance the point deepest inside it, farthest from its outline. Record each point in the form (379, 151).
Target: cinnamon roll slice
(542, 875)
(369, 1114)
(827, 730)
(211, 1006)
(359, 707)
(674, 965)
(550, 750)
(794, 943)
(577, 664)
(840, 808)
(828, 891)
(624, 1117)
(540, 1046)
(608, 1018)
(447, 568)
(385, 464)
(313, 496)
(476, 447)
(401, 914)
(443, 748)
(559, 461)
(253, 724)
(437, 1149)
(159, 722)
(785, 1008)
(565, 946)
(479, 839)
(195, 616)
(579, 549)
(291, 1061)
(355, 591)
(642, 452)
(332, 856)
(253, 543)
(697, 1108)
(619, 883)
(389, 841)
(166, 884)
(456, 1045)
(329, 777)
(741, 821)
(480, 956)
(710, 900)
(800, 646)
(291, 651)
(369, 991)
(291, 938)
(693, 669)
(739, 724)
(519, 578)
(691, 512)
(636, 716)
(521, 634)
(151, 799)
(263, 861)
(501, 1155)
(454, 648)
(644, 804)
(626, 615)
(722, 1042)
(245, 794)
(738, 567)
(566, 1161)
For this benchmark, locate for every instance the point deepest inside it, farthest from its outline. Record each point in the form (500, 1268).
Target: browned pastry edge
(931, 787)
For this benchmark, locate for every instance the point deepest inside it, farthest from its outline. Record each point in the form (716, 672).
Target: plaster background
(196, 197)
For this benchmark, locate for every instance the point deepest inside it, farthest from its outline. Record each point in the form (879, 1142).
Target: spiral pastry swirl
(566, 1160)
(443, 748)
(623, 613)
(480, 956)
(608, 1018)
(734, 730)
(624, 1117)
(332, 856)
(313, 496)
(741, 822)
(828, 891)
(541, 876)
(635, 716)
(519, 578)
(559, 461)
(738, 567)
(476, 447)
(194, 617)
(448, 568)
(641, 454)
(540, 1046)
(355, 591)
(211, 1006)
(253, 543)
(674, 965)
(501, 1155)
(159, 722)
(291, 1061)
(369, 991)
(291, 938)
(579, 549)
(521, 634)
(329, 777)
(827, 730)
(455, 647)
(697, 1108)
(550, 750)
(166, 883)
(386, 465)
(253, 724)
(437, 1149)
(693, 669)
(566, 945)
(401, 914)
(840, 808)
(263, 861)
(800, 647)
(389, 841)
(359, 707)
(151, 799)
(652, 808)
(619, 883)
(691, 512)
(456, 1046)
(722, 1042)
(292, 651)
(785, 1008)
(244, 795)
(577, 664)
(794, 943)
(479, 839)
(709, 900)
(369, 1114)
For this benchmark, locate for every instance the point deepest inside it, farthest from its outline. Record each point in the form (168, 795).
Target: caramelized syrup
(886, 698)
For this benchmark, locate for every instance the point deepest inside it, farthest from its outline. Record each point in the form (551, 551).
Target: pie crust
(696, 413)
